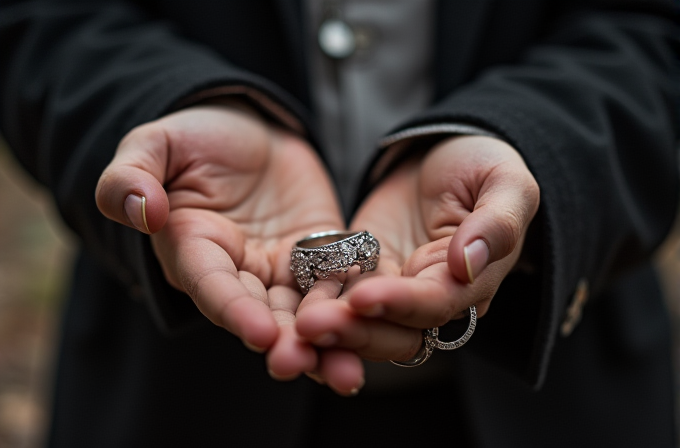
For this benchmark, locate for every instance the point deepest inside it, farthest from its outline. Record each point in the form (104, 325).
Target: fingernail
(326, 340)
(355, 391)
(254, 348)
(377, 310)
(135, 209)
(476, 256)
(280, 377)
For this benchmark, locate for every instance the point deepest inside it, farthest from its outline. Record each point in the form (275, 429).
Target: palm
(240, 193)
(419, 209)
(225, 196)
(250, 190)
(389, 214)
(424, 214)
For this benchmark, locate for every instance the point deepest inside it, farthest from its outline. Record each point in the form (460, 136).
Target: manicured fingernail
(476, 257)
(377, 310)
(254, 348)
(135, 209)
(326, 340)
(280, 377)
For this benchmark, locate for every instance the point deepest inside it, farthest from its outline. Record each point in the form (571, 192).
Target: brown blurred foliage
(35, 257)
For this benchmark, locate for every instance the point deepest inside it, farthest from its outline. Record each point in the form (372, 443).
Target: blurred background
(36, 252)
(35, 258)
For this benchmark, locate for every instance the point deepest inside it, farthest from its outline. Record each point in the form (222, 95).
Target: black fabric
(603, 152)
(609, 384)
(586, 91)
(123, 384)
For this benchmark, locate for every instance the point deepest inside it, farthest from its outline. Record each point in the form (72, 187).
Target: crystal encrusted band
(431, 341)
(322, 254)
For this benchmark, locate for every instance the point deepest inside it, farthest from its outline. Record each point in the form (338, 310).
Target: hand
(469, 193)
(227, 195)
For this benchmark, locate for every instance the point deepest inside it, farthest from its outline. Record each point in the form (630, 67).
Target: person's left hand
(469, 194)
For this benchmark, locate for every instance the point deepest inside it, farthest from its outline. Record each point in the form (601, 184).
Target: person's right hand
(227, 195)
(451, 226)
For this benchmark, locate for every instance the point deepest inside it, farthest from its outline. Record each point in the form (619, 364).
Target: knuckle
(148, 135)
(533, 190)
(483, 307)
(193, 283)
(224, 316)
(103, 185)
(509, 230)
(445, 316)
(532, 195)
(146, 130)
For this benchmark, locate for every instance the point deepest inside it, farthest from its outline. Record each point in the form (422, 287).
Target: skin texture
(227, 196)
(424, 214)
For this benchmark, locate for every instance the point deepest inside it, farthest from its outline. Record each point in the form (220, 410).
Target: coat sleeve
(75, 77)
(592, 109)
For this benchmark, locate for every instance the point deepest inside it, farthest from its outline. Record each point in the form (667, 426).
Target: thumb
(496, 227)
(130, 190)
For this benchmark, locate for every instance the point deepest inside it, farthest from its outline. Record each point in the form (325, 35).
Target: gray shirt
(386, 79)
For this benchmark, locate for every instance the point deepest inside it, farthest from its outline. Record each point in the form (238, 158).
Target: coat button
(575, 310)
(336, 39)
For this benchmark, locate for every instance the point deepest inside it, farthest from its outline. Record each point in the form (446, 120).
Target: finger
(507, 199)
(425, 256)
(201, 253)
(290, 355)
(341, 370)
(332, 323)
(235, 300)
(427, 301)
(493, 230)
(239, 305)
(130, 190)
(386, 268)
(431, 299)
(284, 302)
(323, 289)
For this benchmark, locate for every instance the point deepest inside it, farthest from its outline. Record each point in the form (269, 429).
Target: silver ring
(321, 254)
(431, 341)
(424, 353)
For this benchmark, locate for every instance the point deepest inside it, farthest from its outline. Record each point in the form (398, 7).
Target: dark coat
(584, 90)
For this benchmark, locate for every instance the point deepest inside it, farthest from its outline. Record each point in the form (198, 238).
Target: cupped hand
(451, 226)
(226, 195)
